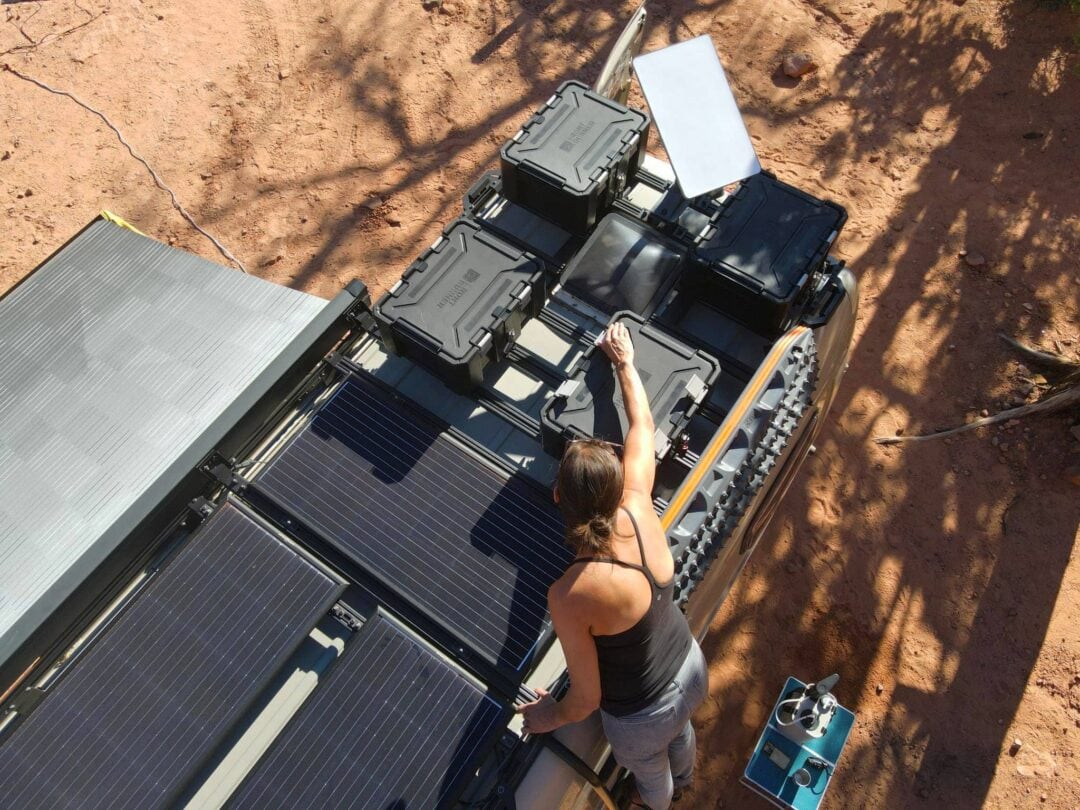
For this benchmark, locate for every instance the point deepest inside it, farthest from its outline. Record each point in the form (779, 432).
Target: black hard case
(676, 380)
(769, 240)
(462, 303)
(573, 157)
(624, 265)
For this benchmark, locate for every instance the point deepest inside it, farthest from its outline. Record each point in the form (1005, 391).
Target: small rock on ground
(797, 65)
(973, 258)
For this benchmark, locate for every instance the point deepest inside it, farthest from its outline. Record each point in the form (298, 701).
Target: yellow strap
(109, 216)
(731, 422)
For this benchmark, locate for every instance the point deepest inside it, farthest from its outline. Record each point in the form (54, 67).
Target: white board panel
(696, 114)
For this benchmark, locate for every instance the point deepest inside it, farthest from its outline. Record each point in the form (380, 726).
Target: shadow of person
(521, 535)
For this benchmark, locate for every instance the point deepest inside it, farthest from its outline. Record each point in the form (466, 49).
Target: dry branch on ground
(1063, 393)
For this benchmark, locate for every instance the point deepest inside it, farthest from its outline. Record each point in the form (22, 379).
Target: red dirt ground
(326, 140)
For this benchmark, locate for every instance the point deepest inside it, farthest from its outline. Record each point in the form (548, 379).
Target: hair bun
(600, 525)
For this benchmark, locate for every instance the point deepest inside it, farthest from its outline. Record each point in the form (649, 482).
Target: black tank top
(637, 664)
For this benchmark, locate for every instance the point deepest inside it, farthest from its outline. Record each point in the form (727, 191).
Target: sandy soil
(326, 140)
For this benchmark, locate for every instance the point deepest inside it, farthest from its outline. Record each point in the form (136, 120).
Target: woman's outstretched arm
(639, 451)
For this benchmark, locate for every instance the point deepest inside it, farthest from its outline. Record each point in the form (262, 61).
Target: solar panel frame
(121, 371)
(364, 702)
(318, 481)
(134, 754)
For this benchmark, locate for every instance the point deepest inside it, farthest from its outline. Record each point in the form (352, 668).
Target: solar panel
(474, 548)
(393, 726)
(120, 355)
(132, 721)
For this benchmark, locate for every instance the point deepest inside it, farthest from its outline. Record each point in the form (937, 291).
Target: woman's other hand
(541, 716)
(616, 344)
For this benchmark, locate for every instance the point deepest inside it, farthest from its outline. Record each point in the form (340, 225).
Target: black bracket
(341, 364)
(225, 472)
(346, 616)
(202, 509)
(362, 317)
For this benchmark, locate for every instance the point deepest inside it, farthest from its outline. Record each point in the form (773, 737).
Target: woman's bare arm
(579, 649)
(639, 450)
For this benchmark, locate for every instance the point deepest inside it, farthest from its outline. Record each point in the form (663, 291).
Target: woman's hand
(542, 715)
(616, 344)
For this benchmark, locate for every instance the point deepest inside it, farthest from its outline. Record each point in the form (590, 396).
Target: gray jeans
(657, 743)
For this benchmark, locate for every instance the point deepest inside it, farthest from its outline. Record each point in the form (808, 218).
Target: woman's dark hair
(590, 487)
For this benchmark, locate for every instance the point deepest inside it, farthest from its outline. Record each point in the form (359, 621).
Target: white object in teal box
(798, 751)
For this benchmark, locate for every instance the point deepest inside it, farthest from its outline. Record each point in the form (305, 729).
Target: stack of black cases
(589, 404)
(462, 303)
(571, 160)
(561, 212)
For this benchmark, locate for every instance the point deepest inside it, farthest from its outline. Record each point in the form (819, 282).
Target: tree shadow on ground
(962, 542)
(422, 127)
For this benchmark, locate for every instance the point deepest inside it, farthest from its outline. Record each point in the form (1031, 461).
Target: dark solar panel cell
(476, 550)
(393, 726)
(132, 722)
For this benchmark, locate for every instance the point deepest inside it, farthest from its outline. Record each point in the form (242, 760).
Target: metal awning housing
(121, 360)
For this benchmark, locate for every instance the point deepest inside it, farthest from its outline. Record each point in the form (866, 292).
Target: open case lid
(615, 77)
(625, 264)
(125, 362)
(696, 114)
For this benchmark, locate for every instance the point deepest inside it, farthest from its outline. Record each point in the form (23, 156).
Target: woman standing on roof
(628, 648)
